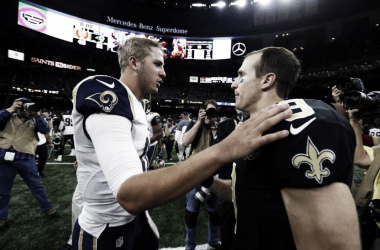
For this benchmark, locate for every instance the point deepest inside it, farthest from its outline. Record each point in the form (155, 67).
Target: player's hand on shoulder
(248, 136)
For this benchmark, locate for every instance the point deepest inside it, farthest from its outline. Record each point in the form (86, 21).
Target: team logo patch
(314, 159)
(119, 242)
(106, 100)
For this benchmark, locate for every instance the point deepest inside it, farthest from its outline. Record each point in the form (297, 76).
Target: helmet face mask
(146, 106)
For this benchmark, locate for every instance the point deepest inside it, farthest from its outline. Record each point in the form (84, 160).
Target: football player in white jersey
(155, 131)
(111, 141)
(68, 134)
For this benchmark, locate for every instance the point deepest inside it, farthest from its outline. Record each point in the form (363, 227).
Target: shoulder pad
(103, 94)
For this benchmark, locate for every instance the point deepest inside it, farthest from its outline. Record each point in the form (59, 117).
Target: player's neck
(265, 101)
(131, 82)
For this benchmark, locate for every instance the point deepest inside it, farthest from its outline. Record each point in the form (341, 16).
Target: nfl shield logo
(119, 242)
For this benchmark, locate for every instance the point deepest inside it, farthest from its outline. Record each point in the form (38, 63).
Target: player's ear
(268, 81)
(132, 62)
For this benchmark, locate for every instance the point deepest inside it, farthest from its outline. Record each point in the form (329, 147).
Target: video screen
(99, 36)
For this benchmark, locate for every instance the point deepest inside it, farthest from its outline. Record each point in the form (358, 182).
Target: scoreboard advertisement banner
(101, 36)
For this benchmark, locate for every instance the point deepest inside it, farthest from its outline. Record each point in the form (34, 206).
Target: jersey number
(300, 109)
(68, 122)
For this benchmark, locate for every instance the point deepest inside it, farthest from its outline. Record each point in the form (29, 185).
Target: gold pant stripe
(81, 238)
(94, 242)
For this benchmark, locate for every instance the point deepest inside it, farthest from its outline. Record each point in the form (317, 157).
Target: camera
(203, 195)
(355, 98)
(27, 105)
(347, 84)
(211, 113)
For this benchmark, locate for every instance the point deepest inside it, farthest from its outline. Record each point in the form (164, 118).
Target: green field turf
(28, 228)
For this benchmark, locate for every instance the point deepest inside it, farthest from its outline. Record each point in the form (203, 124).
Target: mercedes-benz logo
(238, 49)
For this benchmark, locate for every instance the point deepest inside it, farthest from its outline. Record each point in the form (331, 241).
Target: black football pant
(227, 224)
(42, 151)
(169, 148)
(63, 143)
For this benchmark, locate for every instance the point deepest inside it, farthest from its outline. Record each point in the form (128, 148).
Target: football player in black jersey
(293, 193)
(111, 137)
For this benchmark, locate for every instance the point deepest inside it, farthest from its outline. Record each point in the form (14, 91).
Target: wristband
(208, 182)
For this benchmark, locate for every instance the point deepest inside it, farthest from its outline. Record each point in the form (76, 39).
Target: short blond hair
(137, 47)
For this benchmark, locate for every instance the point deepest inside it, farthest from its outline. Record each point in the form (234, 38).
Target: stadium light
(239, 3)
(198, 5)
(265, 2)
(220, 4)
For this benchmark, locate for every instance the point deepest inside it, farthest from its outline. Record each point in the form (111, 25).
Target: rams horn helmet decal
(104, 100)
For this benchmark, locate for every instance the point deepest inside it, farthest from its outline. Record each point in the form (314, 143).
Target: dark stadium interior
(342, 38)
(332, 38)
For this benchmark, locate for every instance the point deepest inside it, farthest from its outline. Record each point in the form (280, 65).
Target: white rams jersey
(111, 141)
(69, 126)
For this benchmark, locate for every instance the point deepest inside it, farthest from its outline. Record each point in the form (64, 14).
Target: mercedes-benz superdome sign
(101, 36)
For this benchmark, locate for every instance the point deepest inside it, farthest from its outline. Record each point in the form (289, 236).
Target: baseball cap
(185, 113)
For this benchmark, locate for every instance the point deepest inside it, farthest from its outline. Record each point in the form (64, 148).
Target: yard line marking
(199, 247)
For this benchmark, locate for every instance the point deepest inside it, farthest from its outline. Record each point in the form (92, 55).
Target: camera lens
(203, 195)
(211, 113)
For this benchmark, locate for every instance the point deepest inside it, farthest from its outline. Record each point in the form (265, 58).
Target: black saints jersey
(318, 151)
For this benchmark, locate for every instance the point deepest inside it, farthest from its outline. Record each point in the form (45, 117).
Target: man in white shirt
(111, 141)
(155, 131)
(68, 134)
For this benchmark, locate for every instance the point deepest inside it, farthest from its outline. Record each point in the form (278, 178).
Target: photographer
(339, 105)
(200, 135)
(19, 125)
(366, 158)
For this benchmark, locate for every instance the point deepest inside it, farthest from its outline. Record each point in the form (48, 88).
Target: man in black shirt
(293, 193)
